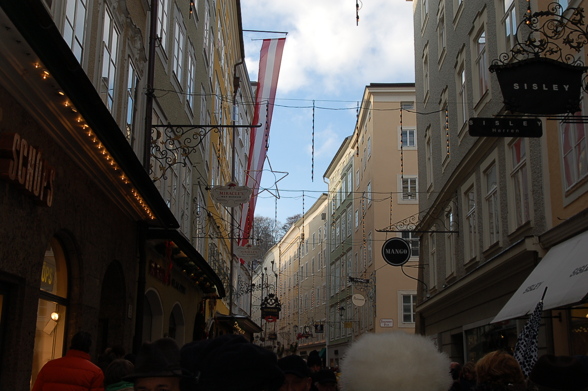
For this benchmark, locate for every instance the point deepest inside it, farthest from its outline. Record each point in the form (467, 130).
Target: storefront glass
(51, 313)
(485, 339)
(579, 330)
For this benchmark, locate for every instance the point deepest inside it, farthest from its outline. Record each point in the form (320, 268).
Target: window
(409, 188)
(450, 242)
(471, 230)
(413, 240)
(369, 245)
(49, 333)
(426, 72)
(369, 147)
(356, 218)
(574, 152)
(132, 83)
(368, 192)
(424, 11)
(191, 80)
(432, 261)
(441, 34)
(408, 308)
(179, 43)
(429, 156)
(481, 61)
(162, 23)
(75, 26)
(408, 137)
(509, 24)
(343, 226)
(109, 59)
(491, 220)
(462, 100)
(349, 221)
(519, 180)
(357, 178)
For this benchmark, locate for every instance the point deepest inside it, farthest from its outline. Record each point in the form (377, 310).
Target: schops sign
(396, 251)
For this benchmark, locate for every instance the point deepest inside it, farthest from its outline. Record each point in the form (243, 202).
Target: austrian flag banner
(265, 96)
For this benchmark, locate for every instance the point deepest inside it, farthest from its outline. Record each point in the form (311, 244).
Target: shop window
(487, 338)
(579, 330)
(51, 313)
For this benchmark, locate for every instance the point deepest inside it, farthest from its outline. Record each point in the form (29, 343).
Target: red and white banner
(267, 84)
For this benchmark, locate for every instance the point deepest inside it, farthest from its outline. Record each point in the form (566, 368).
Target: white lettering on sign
(539, 87)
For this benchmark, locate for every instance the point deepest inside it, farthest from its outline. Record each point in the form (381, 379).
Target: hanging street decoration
(231, 195)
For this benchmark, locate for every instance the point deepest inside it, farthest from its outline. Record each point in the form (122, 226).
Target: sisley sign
(540, 86)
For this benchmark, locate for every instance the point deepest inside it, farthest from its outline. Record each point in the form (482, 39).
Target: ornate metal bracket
(546, 34)
(409, 224)
(173, 144)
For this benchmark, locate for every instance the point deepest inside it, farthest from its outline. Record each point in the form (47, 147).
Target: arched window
(51, 313)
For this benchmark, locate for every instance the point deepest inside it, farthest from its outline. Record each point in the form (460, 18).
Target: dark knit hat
(294, 365)
(157, 359)
(325, 376)
(559, 373)
(231, 362)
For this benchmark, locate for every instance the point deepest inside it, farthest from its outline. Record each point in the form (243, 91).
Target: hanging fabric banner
(269, 70)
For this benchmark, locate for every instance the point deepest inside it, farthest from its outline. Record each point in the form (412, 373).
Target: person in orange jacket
(72, 372)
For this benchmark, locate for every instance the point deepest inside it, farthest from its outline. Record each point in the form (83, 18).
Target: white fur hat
(394, 361)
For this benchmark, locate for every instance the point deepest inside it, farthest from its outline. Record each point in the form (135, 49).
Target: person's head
(558, 373)
(394, 361)
(468, 371)
(314, 361)
(117, 370)
(296, 373)
(455, 370)
(81, 341)
(500, 369)
(157, 367)
(325, 380)
(231, 362)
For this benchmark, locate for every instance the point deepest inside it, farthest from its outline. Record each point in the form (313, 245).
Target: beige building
(332, 275)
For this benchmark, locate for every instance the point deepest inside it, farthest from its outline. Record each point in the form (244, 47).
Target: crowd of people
(374, 362)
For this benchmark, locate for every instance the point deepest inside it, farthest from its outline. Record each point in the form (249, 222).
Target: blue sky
(327, 59)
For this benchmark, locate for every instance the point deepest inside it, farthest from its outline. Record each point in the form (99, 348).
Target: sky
(329, 58)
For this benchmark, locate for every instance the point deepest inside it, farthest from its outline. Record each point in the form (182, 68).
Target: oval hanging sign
(231, 195)
(396, 251)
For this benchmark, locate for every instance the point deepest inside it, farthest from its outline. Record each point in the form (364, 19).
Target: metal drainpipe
(141, 228)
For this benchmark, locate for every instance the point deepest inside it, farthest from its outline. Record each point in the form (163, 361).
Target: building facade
(113, 134)
(487, 205)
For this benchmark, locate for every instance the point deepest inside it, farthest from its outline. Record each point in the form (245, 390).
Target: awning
(244, 322)
(563, 271)
(189, 260)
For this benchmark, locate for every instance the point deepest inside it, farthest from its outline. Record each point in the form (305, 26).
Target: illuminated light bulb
(37, 65)
(45, 75)
(61, 93)
(55, 316)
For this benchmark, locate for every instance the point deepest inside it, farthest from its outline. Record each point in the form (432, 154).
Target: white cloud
(325, 46)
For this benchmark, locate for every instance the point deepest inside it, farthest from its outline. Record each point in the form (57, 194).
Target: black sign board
(540, 85)
(396, 251)
(359, 280)
(505, 127)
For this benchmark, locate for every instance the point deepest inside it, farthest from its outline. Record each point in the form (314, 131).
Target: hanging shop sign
(231, 195)
(540, 86)
(248, 253)
(396, 251)
(24, 165)
(358, 299)
(270, 308)
(505, 127)
(359, 280)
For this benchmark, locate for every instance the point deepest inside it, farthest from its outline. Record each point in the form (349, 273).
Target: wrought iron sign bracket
(409, 224)
(173, 144)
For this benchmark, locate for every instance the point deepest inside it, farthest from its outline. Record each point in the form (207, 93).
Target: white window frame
(450, 241)
(412, 196)
(74, 26)
(470, 224)
(110, 48)
(402, 295)
(573, 163)
(491, 205)
(409, 134)
(461, 82)
(520, 199)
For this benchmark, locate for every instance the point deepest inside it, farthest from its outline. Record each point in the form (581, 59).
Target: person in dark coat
(158, 367)
(230, 362)
(559, 373)
(72, 372)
